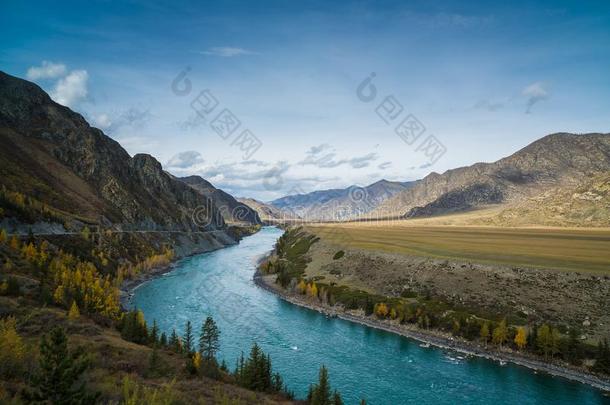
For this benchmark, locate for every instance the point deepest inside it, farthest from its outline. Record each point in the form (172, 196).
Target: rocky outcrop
(231, 209)
(51, 154)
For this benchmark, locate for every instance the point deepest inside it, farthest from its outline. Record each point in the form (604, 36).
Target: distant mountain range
(554, 165)
(340, 204)
(57, 168)
(556, 161)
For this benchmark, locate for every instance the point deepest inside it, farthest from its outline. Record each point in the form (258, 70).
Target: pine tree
(163, 339)
(154, 333)
(188, 339)
(60, 371)
(209, 339)
(321, 391)
(337, 398)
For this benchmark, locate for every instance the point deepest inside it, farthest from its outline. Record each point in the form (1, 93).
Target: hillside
(70, 172)
(586, 204)
(340, 204)
(267, 212)
(232, 210)
(557, 160)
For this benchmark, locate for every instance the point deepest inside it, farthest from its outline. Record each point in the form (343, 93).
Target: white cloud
(102, 121)
(185, 160)
(535, 92)
(227, 51)
(319, 157)
(48, 70)
(71, 89)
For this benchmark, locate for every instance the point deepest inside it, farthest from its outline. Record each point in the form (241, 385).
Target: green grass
(586, 250)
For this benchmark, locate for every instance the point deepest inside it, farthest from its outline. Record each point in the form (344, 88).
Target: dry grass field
(582, 250)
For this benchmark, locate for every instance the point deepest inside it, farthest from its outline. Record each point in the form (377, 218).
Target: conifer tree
(188, 339)
(154, 333)
(59, 378)
(209, 340)
(163, 339)
(321, 394)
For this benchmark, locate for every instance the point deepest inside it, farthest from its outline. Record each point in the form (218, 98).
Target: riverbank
(208, 243)
(435, 338)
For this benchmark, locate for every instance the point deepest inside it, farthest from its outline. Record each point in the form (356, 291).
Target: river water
(363, 362)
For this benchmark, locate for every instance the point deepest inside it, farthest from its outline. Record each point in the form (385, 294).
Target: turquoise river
(363, 362)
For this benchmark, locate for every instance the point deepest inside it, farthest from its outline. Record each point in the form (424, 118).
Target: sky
(271, 98)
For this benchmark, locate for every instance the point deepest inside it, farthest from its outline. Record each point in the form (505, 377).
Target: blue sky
(484, 79)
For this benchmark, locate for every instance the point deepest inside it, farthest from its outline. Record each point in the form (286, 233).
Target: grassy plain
(582, 249)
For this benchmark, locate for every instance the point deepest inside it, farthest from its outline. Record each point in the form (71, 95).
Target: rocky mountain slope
(231, 209)
(586, 204)
(57, 168)
(340, 204)
(557, 160)
(267, 212)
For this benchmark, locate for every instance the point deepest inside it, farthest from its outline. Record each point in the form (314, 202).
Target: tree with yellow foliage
(302, 287)
(14, 243)
(314, 290)
(3, 236)
(521, 337)
(29, 252)
(12, 348)
(484, 333)
(381, 310)
(500, 333)
(74, 313)
(393, 313)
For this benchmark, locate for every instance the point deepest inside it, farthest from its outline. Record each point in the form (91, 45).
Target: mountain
(340, 204)
(267, 212)
(559, 160)
(232, 210)
(57, 168)
(586, 204)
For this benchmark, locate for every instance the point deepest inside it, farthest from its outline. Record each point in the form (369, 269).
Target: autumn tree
(12, 348)
(209, 340)
(500, 333)
(59, 380)
(302, 287)
(521, 337)
(74, 313)
(381, 310)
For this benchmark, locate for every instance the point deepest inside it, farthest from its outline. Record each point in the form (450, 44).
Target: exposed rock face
(232, 210)
(340, 204)
(52, 154)
(267, 212)
(557, 160)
